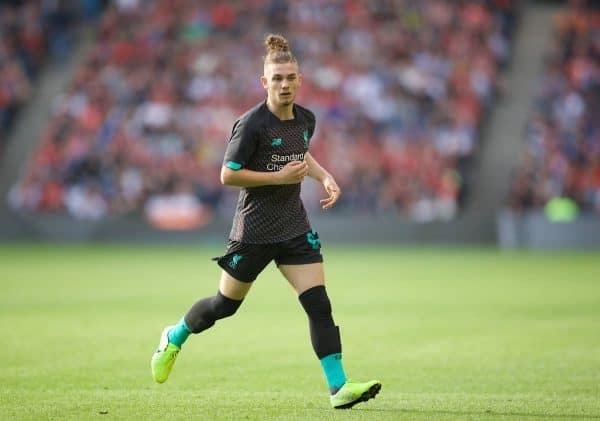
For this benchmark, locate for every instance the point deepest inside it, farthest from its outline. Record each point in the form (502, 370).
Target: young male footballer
(267, 156)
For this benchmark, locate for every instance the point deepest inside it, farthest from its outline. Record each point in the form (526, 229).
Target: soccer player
(267, 156)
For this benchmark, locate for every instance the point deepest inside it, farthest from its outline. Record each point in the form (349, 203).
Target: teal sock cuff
(334, 371)
(179, 333)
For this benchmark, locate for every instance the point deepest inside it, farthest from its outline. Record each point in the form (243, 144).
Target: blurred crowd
(400, 89)
(561, 159)
(22, 48)
(30, 31)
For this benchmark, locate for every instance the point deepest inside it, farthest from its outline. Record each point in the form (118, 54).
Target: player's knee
(205, 312)
(316, 303)
(224, 306)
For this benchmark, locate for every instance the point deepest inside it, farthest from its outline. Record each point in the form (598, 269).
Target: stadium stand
(31, 32)
(400, 100)
(561, 158)
(22, 47)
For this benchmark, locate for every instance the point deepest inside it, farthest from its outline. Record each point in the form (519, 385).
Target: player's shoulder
(255, 116)
(304, 113)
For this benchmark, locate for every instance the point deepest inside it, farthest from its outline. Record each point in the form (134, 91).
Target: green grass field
(451, 333)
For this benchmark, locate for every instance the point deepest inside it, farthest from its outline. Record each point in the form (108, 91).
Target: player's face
(281, 80)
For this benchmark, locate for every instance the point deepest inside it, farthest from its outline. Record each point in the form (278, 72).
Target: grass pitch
(452, 334)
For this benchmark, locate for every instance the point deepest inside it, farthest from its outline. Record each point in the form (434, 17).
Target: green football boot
(164, 357)
(352, 393)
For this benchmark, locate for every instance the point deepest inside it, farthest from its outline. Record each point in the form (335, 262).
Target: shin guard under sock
(205, 312)
(324, 335)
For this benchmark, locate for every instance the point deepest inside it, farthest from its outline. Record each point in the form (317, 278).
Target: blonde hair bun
(275, 43)
(278, 50)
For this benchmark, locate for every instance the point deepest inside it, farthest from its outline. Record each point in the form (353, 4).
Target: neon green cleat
(164, 357)
(352, 393)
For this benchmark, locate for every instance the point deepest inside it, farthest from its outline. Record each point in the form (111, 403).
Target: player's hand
(293, 172)
(334, 192)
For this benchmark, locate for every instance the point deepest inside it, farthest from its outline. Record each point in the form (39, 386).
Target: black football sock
(324, 335)
(205, 312)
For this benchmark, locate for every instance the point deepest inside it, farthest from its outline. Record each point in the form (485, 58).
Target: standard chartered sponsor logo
(278, 161)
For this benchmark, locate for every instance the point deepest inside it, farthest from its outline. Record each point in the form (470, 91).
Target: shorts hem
(234, 275)
(299, 260)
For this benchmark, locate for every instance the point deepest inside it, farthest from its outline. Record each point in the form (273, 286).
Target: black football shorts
(246, 261)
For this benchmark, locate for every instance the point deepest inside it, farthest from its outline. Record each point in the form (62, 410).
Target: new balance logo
(277, 142)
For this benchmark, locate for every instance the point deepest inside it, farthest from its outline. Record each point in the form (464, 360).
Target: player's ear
(264, 81)
(299, 79)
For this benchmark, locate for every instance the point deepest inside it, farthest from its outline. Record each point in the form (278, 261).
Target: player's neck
(282, 112)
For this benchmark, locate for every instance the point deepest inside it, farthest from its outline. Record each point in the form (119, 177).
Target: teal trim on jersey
(179, 333)
(334, 371)
(233, 165)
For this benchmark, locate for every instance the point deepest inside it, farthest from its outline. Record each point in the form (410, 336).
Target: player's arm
(316, 171)
(292, 173)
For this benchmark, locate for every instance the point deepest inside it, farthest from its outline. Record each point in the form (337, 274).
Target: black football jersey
(260, 141)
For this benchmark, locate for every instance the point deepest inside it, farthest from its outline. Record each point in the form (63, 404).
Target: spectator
(28, 31)
(562, 151)
(406, 85)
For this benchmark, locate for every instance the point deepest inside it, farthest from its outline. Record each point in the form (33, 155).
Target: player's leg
(241, 265)
(301, 263)
(309, 282)
(206, 311)
(201, 316)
